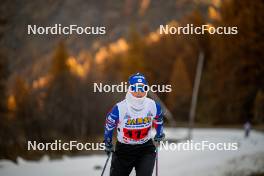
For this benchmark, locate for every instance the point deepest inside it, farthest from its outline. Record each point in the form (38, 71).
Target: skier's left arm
(158, 123)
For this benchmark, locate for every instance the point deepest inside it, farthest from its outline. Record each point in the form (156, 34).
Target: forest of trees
(231, 91)
(232, 86)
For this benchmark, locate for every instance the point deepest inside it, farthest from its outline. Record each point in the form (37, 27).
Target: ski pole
(157, 161)
(106, 162)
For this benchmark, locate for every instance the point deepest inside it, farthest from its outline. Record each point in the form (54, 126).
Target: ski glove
(159, 138)
(108, 146)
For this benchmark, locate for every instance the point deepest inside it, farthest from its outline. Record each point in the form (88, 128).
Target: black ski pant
(127, 156)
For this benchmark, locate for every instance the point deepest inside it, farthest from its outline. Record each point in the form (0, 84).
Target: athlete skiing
(133, 118)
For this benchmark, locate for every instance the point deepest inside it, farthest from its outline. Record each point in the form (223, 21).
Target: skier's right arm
(110, 124)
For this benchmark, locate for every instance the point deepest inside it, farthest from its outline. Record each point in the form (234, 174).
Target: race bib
(136, 134)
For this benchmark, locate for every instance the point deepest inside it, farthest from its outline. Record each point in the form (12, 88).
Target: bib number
(136, 134)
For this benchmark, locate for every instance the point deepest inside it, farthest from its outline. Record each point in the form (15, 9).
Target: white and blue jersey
(134, 127)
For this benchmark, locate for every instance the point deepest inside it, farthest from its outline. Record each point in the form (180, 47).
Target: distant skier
(247, 128)
(133, 118)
